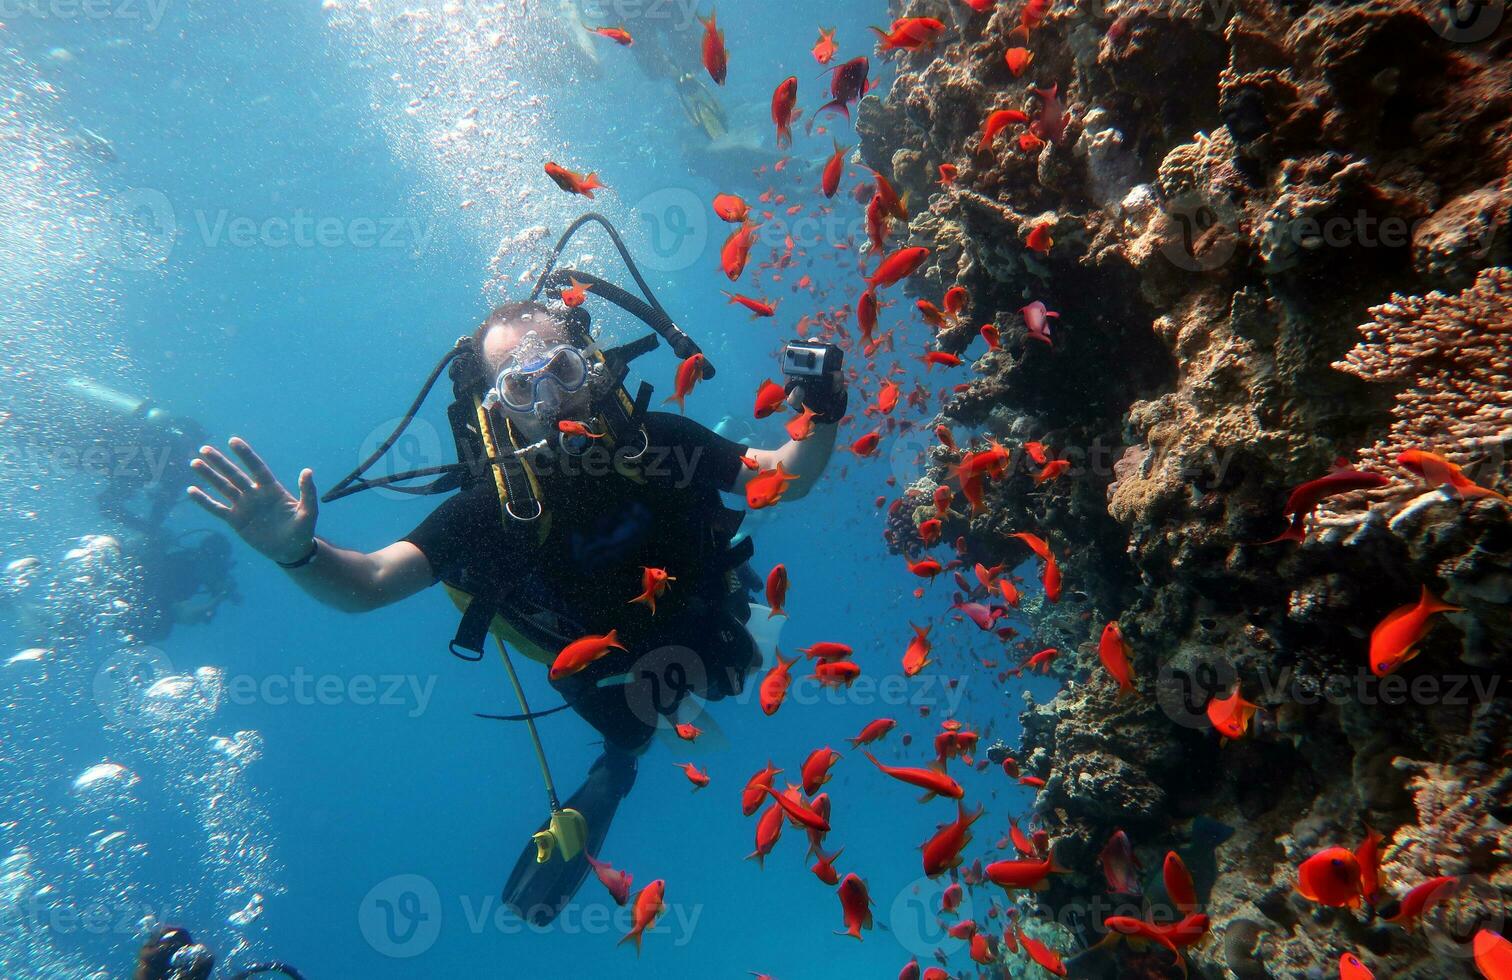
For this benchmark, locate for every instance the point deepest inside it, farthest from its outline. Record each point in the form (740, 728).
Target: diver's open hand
(258, 508)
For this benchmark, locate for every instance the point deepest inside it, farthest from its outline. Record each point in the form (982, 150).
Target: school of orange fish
(1337, 876)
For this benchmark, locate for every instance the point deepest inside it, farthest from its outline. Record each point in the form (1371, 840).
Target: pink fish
(1036, 318)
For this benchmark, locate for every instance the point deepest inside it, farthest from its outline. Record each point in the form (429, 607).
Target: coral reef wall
(1280, 235)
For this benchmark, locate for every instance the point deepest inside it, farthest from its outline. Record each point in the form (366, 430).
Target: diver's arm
(280, 526)
(806, 460)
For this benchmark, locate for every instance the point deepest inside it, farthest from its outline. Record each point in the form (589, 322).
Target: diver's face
(500, 346)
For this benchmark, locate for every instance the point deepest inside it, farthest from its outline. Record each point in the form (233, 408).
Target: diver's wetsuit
(601, 528)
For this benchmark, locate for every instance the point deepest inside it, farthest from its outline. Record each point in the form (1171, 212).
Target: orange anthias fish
(575, 295)
(801, 426)
(932, 314)
(618, 35)
(654, 584)
(1039, 238)
(1350, 968)
(887, 397)
(785, 110)
(716, 59)
(1114, 652)
(1439, 472)
(956, 298)
(776, 590)
(767, 487)
(573, 183)
(924, 567)
(866, 446)
(825, 48)
(824, 868)
(759, 307)
(943, 358)
(1041, 954)
(696, 776)
(1180, 888)
(754, 793)
(816, 769)
(1032, 16)
(837, 673)
(1018, 60)
(687, 731)
(873, 731)
(990, 334)
(898, 266)
(796, 811)
(1231, 716)
(731, 208)
(770, 399)
(910, 34)
(1369, 856)
(829, 182)
(618, 882)
(1127, 925)
(737, 251)
(1422, 898)
(774, 686)
(1493, 955)
(768, 830)
(891, 202)
(1331, 877)
(578, 654)
(1021, 841)
(942, 852)
(866, 313)
(689, 374)
(855, 906)
(932, 780)
(649, 905)
(572, 428)
(916, 657)
(1395, 640)
(996, 123)
(1027, 874)
(1305, 499)
(949, 174)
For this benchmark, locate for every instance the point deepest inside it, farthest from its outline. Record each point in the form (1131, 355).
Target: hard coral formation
(1238, 187)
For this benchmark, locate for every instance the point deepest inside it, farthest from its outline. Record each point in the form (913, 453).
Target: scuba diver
(571, 493)
(181, 583)
(170, 953)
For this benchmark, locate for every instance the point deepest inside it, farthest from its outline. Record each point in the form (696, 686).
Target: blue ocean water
(273, 218)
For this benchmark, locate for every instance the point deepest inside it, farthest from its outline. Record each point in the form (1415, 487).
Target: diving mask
(537, 375)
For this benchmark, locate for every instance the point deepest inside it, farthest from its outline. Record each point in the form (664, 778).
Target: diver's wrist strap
(302, 562)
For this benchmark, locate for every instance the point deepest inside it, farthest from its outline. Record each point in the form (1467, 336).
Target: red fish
(825, 48)
(1422, 898)
(649, 905)
(575, 295)
(866, 445)
(768, 830)
(878, 223)
(942, 852)
(829, 182)
(1439, 472)
(1039, 238)
(925, 567)
(855, 906)
(1395, 640)
(618, 882)
(774, 686)
(1306, 498)
(1493, 955)
(1018, 60)
(1369, 856)
(689, 374)
(573, 428)
(1126, 925)
(696, 776)
(835, 673)
(1027, 874)
(754, 793)
(996, 123)
(990, 334)
(910, 34)
(887, 397)
(619, 36)
(687, 732)
(932, 780)
(801, 426)
(770, 399)
(731, 208)
(1119, 864)
(898, 266)
(847, 85)
(1036, 316)
(949, 174)
(759, 307)
(816, 769)
(1350, 968)
(1030, 143)
(716, 59)
(1114, 652)
(873, 731)
(929, 532)
(866, 313)
(1040, 660)
(932, 314)
(737, 251)
(824, 868)
(578, 654)
(785, 110)
(931, 358)
(1021, 843)
(1331, 877)
(956, 298)
(654, 584)
(573, 183)
(1054, 469)
(916, 657)
(796, 811)
(776, 590)
(1032, 16)
(1230, 716)
(766, 488)
(1179, 886)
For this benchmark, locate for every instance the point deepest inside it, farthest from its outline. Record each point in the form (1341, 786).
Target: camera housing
(811, 359)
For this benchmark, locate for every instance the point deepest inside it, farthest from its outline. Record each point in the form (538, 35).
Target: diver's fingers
(213, 507)
(309, 503)
(261, 474)
(213, 477)
(226, 469)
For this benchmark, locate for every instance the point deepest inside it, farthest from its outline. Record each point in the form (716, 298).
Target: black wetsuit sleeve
(452, 534)
(713, 460)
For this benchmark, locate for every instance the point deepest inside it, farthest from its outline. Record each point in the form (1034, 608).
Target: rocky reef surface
(1281, 238)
